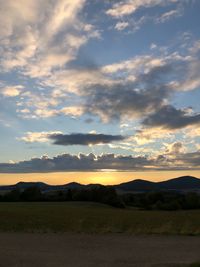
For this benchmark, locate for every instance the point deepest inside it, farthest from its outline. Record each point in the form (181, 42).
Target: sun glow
(102, 177)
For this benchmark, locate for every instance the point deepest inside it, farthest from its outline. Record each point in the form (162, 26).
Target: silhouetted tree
(13, 195)
(31, 194)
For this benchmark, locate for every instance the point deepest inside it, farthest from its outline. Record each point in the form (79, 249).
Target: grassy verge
(94, 218)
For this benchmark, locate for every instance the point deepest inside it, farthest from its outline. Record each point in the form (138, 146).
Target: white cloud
(41, 36)
(74, 111)
(170, 14)
(12, 91)
(41, 137)
(150, 135)
(153, 46)
(127, 7)
(193, 132)
(121, 25)
(136, 65)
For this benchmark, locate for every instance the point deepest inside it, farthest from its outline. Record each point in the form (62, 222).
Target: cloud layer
(173, 159)
(87, 67)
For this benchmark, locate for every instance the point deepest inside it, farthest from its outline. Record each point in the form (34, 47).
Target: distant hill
(137, 185)
(42, 186)
(184, 183)
(180, 183)
(24, 185)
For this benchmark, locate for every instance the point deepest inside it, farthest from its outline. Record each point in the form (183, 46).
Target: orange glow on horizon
(103, 177)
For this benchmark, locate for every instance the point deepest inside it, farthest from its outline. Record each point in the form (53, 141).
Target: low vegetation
(86, 217)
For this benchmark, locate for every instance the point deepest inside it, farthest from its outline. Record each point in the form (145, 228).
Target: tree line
(163, 200)
(100, 194)
(108, 195)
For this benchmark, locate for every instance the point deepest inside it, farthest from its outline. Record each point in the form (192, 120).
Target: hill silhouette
(180, 183)
(138, 185)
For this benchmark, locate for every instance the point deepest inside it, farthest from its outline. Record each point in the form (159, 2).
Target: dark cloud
(84, 139)
(68, 162)
(91, 162)
(169, 117)
(125, 99)
(192, 159)
(147, 90)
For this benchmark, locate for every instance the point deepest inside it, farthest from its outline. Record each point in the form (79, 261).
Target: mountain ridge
(137, 185)
(179, 183)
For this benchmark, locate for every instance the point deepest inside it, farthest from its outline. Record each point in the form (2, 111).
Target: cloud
(127, 7)
(84, 139)
(59, 138)
(12, 91)
(168, 117)
(92, 162)
(123, 90)
(68, 162)
(123, 101)
(127, 89)
(73, 111)
(120, 26)
(43, 39)
(41, 137)
(170, 14)
(151, 135)
(193, 132)
(175, 148)
(149, 79)
(39, 37)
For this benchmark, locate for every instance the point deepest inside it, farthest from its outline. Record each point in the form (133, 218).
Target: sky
(99, 91)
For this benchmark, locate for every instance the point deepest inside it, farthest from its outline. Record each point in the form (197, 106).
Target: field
(94, 218)
(77, 234)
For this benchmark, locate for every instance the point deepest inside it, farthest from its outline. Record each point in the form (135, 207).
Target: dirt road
(81, 250)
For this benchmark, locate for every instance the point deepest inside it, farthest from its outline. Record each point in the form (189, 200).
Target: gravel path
(81, 250)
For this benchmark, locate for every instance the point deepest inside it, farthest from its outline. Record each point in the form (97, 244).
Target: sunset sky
(99, 90)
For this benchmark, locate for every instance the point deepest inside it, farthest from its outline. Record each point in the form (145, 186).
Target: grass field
(94, 218)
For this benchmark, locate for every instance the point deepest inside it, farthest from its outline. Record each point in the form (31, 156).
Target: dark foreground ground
(83, 250)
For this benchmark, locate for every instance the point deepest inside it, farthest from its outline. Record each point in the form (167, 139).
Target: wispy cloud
(170, 14)
(39, 37)
(128, 9)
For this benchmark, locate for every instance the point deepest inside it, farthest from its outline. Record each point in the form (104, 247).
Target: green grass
(94, 218)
